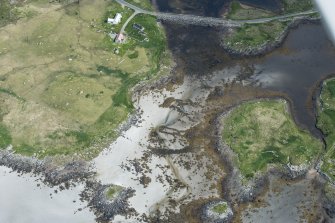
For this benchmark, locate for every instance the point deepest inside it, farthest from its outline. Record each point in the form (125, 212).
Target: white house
(116, 20)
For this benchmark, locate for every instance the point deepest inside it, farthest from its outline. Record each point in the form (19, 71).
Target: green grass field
(64, 90)
(326, 122)
(144, 4)
(262, 133)
(240, 11)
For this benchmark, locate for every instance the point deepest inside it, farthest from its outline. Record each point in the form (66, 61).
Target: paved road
(203, 20)
(135, 8)
(280, 17)
(128, 20)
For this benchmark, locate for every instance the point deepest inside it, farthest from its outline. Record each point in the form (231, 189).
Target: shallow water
(22, 201)
(306, 57)
(287, 202)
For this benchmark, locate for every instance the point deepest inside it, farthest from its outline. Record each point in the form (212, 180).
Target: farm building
(116, 20)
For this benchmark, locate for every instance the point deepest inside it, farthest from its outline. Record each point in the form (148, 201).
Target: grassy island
(252, 38)
(113, 191)
(262, 133)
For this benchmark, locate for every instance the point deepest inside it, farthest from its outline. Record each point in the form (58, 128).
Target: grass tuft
(220, 208)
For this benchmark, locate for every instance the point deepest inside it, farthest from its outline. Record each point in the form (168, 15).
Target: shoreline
(65, 175)
(51, 174)
(227, 154)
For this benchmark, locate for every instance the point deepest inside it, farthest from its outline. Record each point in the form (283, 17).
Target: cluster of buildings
(117, 37)
(120, 37)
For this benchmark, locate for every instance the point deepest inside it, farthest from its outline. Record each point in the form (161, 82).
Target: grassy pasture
(63, 89)
(254, 35)
(240, 11)
(144, 4)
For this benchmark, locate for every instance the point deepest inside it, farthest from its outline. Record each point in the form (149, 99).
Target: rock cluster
(51, 174)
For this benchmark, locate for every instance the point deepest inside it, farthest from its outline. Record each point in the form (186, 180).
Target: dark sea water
(210, 7)
(306, 57)
(295, 69)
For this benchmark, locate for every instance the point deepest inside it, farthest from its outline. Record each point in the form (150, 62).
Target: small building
(120, 38)
(116, 20)
(138, 27)
(112, 35)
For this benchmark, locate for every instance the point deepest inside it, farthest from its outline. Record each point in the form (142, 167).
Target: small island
(262, 30)
(262, 133)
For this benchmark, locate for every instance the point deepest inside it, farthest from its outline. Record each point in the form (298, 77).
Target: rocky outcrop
(211, 216)
(104, 208)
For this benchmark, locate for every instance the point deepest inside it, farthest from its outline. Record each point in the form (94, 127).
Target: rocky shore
(328, 204)
(51, 174)
(68, 175)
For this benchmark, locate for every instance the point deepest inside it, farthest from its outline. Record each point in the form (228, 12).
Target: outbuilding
(120, 38)
(138, 27)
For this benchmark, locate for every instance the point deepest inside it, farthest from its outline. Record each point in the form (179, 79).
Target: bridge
(181, 18)
(187, 19)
